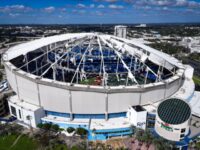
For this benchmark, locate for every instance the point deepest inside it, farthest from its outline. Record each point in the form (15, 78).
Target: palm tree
(148, 137)
(94, 135)
(161, 144)
(133, 129)
(197, 145)
(139, 134)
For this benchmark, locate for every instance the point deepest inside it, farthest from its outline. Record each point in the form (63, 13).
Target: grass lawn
(61, 147)
(7, 141)
(24, 143)
(196, 80)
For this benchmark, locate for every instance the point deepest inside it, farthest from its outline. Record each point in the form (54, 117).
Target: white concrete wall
(121, 101)
(137, 119)
(28, 90)
(173, 87)
(54, 99)
(35, 118)
(189, 71)
(152, 96)
(11, 78)
(32, 121)
(17, 110)
(87, 102)
(39, 114)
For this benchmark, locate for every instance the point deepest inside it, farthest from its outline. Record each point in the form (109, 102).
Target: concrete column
(54, 73)
(17, 86)
(140, 100)
(165, 92)
(47, 51)
(145, 81)
(70, 105)
(38, 91)
(63, 74)
(27, 64)
(36, 67)
(106, 106)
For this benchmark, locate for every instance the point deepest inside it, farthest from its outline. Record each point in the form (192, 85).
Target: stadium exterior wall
(77, 99)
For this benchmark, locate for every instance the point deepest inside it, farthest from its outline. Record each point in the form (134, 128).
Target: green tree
(70, 129)
(81, 131)
(47, 126)
(55, 127)
(40, 125)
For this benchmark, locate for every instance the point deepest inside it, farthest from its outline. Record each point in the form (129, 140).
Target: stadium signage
(141, 124)
(166, 127)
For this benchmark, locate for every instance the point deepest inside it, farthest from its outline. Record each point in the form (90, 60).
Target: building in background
(120, 31)
(141, 25)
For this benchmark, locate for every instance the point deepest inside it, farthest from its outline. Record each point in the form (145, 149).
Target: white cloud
(193, 4)
(49, 9)
(109, 1)
(92, 5)
(81, 5)
(99, 13)
(63, 9)
(116, 6)
(82, 11)
(129, 1)
(15, 8)
(147, 7)
(181, 3)
(14, 14)
(168, 3)
(165, 8)
(101, 6)
(161, 2)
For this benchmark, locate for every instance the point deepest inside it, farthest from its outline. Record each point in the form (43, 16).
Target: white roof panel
(24, 48)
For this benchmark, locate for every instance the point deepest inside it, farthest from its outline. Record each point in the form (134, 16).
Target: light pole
(29, 119)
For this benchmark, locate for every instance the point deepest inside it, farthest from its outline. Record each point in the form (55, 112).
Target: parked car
(4, 86)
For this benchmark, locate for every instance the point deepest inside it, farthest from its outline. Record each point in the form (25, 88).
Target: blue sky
(98, 11)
